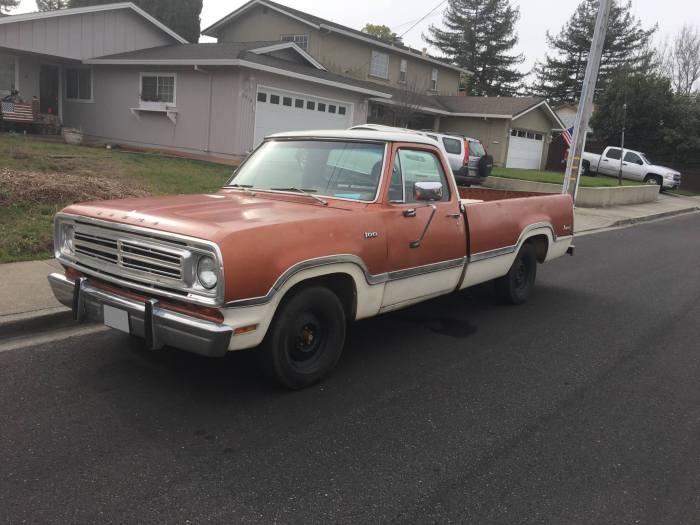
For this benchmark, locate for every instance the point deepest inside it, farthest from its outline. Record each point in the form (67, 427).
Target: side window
(452, 146)
(613, 153)
(633, 158)
(420, 166)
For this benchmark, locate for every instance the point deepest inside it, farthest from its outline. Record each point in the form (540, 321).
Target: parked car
(314, 229)
(635, 166)
(468, 159)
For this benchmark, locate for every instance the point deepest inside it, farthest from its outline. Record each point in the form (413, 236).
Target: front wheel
(516, 286)
(305, 339)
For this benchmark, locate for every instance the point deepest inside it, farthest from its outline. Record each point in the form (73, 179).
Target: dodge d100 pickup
(315, 229)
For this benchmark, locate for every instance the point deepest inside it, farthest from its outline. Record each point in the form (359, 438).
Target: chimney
(424, 52)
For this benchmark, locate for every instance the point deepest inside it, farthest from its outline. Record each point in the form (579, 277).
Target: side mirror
(427, 191)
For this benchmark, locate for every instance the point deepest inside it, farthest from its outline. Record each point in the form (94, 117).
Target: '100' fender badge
(371, 235)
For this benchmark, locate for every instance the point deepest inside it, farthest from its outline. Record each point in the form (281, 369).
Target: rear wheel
(516, 286)
(305, 339)
(587, 169)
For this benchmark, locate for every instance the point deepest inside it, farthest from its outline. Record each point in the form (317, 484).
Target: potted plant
(72, 135)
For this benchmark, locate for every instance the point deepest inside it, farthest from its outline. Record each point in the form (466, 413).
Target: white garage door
(525, 149)
(277, 110)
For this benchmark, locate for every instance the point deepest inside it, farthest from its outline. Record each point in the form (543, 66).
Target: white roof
(357, 134)
(91, 9)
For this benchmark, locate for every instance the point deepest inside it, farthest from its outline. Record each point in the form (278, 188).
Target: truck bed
(497, 218)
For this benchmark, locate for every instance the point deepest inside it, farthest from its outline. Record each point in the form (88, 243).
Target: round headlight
(206, 272)
(67, 238)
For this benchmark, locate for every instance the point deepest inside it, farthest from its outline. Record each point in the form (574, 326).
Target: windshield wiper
(244, 187)
(305, 192)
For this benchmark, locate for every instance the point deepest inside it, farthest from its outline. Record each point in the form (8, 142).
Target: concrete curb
(38, 321)
(648, 218)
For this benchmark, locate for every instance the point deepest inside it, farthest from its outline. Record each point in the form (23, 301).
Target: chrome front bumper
(158, 326)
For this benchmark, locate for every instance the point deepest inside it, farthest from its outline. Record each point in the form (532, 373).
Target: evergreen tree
(51, 5)
(6, 5)
(559, 77)
(479, 35)
(650, 111)
(182, 16)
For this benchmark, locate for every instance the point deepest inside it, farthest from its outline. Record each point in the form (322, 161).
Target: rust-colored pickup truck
(314, 229)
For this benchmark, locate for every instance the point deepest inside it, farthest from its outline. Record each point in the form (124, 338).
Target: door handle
(605, 160)
(411, 212)
(624, 164)
(454, 215)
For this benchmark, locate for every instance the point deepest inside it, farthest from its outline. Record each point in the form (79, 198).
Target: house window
(299, 103)
(158, 87)
(379, 65)
(341, 110)
(301, 40)
(274, 99)
(287, 101)
(262, 97)
(7, 74)
(402, 71)
(331, 108)
(79, 84)
(310, 104)
(321, 106)
(433, 80)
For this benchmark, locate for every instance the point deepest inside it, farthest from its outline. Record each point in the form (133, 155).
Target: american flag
(567, 135)
(16, 112)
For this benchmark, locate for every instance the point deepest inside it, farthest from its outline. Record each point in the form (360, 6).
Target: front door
(421, 262)
(48, 89)
(632, 166)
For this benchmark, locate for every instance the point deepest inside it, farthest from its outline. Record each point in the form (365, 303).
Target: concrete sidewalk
(587, 220)
(29, 304)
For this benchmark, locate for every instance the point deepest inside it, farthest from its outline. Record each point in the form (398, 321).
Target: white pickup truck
(635, 166)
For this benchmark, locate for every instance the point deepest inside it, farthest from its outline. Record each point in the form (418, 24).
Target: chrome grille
(128, 255)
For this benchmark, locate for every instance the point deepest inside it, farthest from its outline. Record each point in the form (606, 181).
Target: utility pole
(585, 105)
(622, 141)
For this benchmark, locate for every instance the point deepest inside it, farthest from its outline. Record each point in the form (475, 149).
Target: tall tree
(380, 31)
(559, 78)
(182, 16)
(680, 61)
(650, 111)
(479, 35)
(6, 5)
(51, 5)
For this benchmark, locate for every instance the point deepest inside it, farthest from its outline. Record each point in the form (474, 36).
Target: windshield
(345, 170)
(476, 149)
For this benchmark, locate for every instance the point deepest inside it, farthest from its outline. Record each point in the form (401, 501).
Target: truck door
(426, 239)
(610, 161)
(632, 166)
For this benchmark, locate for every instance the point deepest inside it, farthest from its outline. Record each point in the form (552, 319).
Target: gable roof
(208, 53)
(461, 106)
(323, 24)
(252, 55)
(92, 9)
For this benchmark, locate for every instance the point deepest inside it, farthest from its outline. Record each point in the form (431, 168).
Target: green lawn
(554, 177)
(38, 177)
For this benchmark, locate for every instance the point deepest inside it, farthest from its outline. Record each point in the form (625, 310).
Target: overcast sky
(537, 16)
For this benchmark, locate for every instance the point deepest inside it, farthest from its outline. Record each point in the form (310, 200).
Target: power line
(423, 18)
(404, 24)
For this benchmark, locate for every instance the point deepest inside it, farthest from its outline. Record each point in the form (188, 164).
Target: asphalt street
(582, 406)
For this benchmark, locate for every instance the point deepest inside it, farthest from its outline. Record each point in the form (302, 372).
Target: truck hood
(210, 216)
(662, 170)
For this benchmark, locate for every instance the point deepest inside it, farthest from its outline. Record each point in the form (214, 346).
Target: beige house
(340, 49)
(424, 90)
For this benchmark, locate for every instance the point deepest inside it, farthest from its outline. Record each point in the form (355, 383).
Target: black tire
(485, 165)
(655, 179)
(587, 169)
(305, 339)
(516, 286)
